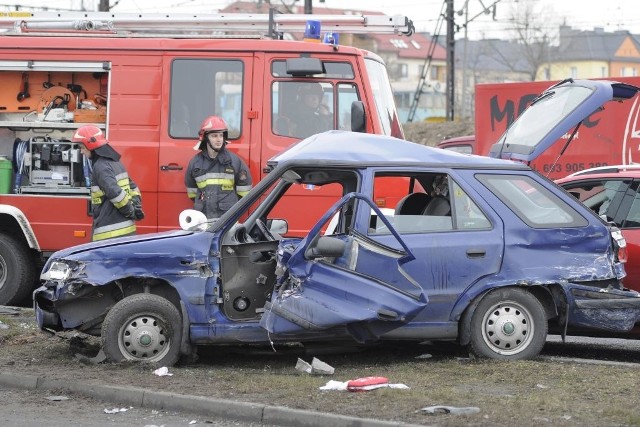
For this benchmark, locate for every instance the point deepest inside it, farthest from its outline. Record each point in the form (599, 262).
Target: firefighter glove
(128, 211)
(137, 208)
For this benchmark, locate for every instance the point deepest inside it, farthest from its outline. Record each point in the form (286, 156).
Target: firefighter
(115, 198)
(216, 178)
(310, 116)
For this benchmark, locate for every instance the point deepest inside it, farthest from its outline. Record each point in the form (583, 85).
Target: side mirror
(278, 226)
(358, 117)
(326, 247)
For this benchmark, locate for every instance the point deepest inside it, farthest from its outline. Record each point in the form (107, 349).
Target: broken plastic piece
(161, 372)
(115, 410)
(367, 383)
(437, 410)
(303, 366)
(317, 367)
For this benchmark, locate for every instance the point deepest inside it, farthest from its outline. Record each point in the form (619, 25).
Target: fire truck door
(195, 87)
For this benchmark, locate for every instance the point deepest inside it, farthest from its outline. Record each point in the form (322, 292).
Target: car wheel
(143, 328)
(508, 324)
(17, 271)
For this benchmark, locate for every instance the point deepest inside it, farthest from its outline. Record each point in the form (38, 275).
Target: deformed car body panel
(371, 293)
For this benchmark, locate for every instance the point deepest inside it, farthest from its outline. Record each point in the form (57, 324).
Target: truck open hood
(556, 111)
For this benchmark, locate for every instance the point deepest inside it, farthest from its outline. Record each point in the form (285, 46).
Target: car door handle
(384, 314)
(171, 167)
(476, 253)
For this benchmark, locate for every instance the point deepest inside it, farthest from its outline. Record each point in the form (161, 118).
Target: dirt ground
(431, 134)
(526, 393)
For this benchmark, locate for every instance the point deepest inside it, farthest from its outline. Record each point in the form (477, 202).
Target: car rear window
(534, 204)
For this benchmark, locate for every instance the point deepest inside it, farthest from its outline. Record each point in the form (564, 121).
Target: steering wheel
(266, 233)
(241, 234)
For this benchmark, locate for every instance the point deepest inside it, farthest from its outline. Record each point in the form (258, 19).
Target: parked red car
(613, 193)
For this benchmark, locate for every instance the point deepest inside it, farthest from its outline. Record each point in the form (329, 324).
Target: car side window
(431, 202)
(632, 218)
(468, 215)
(534, 204)
(603, 196)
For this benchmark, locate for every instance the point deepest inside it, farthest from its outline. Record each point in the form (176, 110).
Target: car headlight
(58, 270)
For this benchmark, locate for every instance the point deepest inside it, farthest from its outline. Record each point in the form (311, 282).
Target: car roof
(356, 150)
(458, 139)
(611, 171)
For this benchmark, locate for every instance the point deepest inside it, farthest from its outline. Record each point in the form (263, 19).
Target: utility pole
(451, 76)
(308, 7)
(103, 6)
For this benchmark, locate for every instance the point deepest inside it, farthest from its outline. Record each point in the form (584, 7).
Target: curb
(228, 409)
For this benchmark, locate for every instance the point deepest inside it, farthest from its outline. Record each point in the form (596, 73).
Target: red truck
(610, 136)
(148, 81)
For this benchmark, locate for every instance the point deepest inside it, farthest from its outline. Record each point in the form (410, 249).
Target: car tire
(508, 324)
(17, 271)
(143, 328)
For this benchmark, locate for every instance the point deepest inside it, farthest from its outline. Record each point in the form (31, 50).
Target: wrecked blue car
(481, 251)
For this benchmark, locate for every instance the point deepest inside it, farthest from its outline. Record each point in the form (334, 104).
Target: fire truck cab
(148, 81)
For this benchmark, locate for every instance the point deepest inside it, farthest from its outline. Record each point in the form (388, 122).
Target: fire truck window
(302, 108)
(334, 70)
(202, 88)
(347, 93)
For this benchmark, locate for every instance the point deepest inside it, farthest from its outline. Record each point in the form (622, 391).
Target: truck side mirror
(358, 118)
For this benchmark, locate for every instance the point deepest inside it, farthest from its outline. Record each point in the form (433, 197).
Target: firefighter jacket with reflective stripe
(111, 194)
(216, 184)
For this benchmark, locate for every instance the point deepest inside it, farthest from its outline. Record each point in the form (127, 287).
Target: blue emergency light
(312, 31)
(331, 38)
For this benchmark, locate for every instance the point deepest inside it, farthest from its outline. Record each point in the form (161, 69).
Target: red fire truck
(610, 136)
(148, 81)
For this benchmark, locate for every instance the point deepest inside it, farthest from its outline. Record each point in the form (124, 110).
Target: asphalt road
(596, 349)
(41, 408)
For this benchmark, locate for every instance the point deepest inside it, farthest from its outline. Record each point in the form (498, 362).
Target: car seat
(412, 204)
(438, 206)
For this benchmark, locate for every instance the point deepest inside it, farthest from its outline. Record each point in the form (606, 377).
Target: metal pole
(308, 7)
(104, 6)
(451, 80)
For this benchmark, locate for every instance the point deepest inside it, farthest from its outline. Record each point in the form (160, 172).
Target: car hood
(153, 242)
(554, 113)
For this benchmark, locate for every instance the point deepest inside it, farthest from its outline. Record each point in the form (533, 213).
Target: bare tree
(533, 31)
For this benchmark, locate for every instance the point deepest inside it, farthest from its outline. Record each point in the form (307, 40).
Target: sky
(581, 14)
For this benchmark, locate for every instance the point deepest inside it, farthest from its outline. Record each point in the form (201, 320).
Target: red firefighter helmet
(90, 136)
(213, 124)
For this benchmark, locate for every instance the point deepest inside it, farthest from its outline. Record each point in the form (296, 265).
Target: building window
(574, 72)
(603, 71)
(623, 72)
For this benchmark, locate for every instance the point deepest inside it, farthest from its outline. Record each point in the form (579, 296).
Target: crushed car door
(344, 281)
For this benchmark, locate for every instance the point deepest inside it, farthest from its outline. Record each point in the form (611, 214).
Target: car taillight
(620, 245)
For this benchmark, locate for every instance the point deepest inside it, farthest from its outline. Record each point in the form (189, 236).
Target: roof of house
(576, 45)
